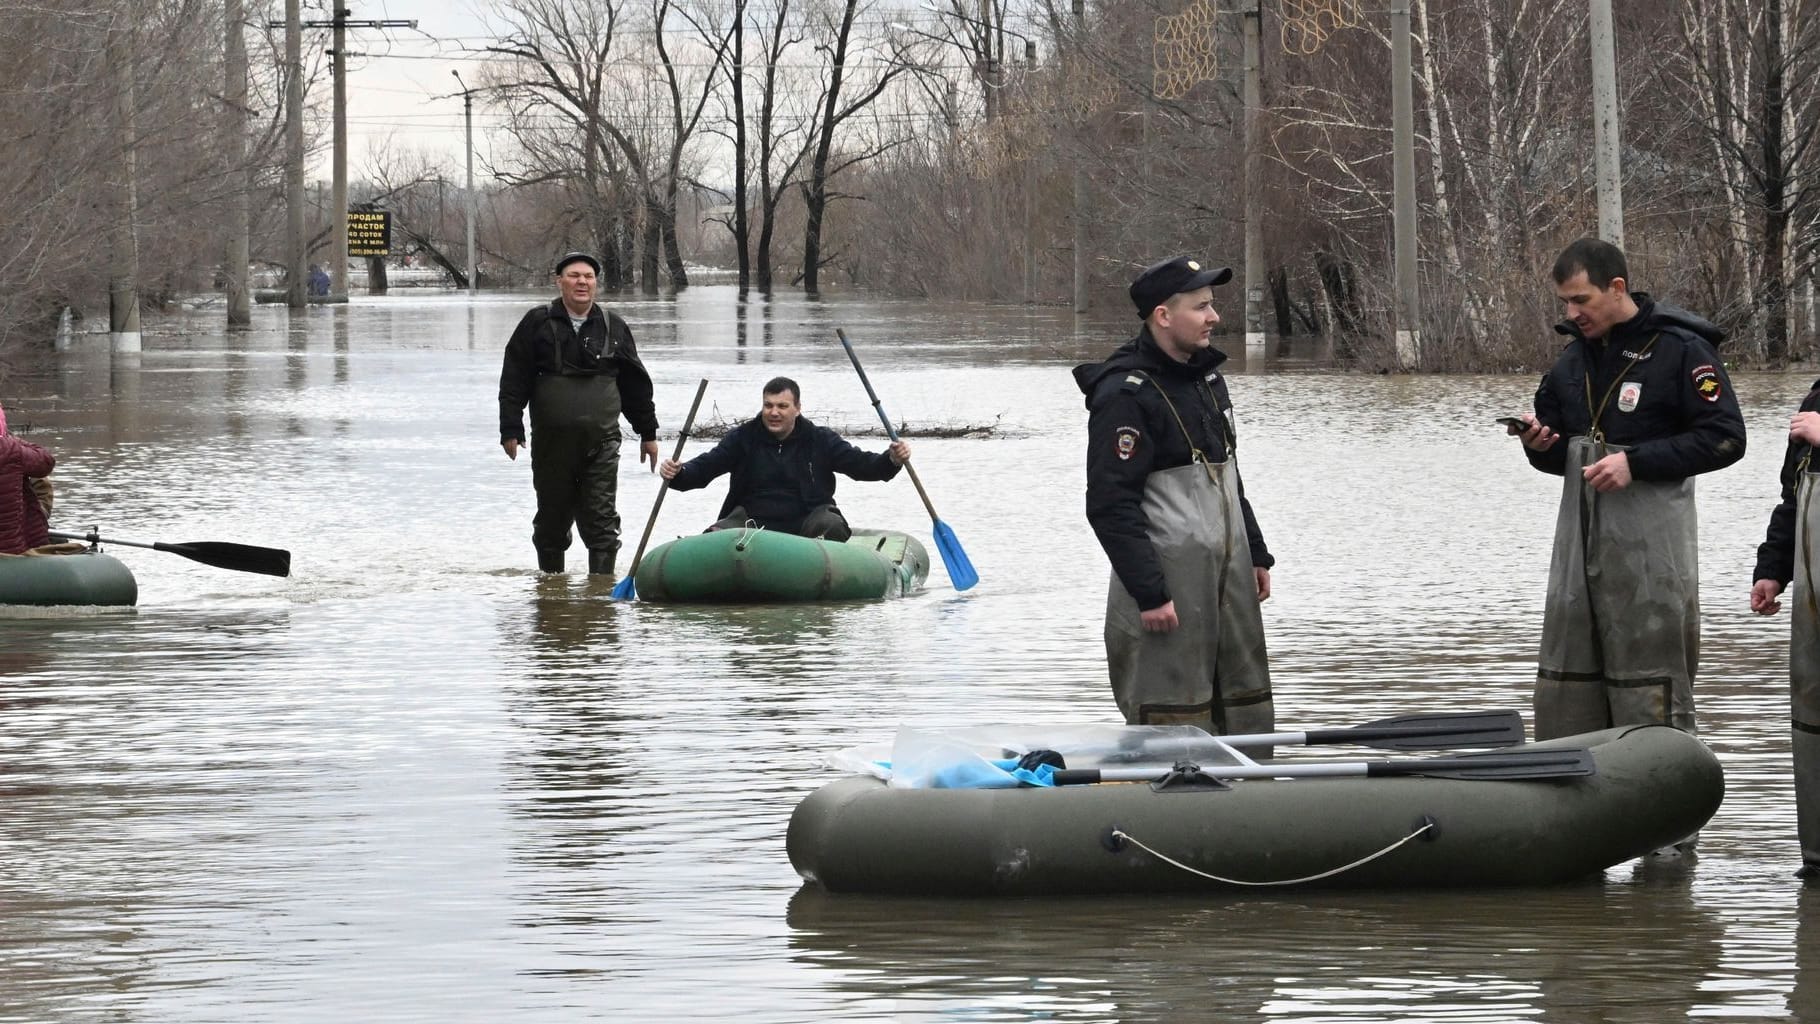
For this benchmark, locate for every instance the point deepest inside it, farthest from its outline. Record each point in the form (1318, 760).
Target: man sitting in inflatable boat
(783, 469)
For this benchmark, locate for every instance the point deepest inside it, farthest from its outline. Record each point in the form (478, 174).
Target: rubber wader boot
(600, 563)
(549, 561)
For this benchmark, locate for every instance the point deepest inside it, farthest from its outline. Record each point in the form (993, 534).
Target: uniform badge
(1629, 395)
(1126, 442)
(1706, 382)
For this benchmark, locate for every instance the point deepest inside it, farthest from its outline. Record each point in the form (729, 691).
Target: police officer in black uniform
(576, 366)
(1184, 635)
(1642, 400)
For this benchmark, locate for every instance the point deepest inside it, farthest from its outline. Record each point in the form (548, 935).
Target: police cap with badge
(1161, 281)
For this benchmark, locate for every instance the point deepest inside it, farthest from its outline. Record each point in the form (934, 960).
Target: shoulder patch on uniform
(1132, 382)
(1706, 382)
(1125, 441)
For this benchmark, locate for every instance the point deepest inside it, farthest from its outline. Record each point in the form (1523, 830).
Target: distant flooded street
(419, 782)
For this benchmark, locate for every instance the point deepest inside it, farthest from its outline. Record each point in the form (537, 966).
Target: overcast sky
(401, 86)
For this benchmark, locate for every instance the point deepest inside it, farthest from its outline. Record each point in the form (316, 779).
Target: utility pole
(1607, 136)
(123, 283)
(467, 110)
(1254, 186)
(951, 112)
(338, 242)
(294, 245)
(239, 229)
(1030, 199)
(1403, 105)
(1079, 178)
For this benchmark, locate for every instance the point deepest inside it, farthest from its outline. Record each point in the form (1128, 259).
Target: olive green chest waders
(1804, 669)
(575, 466)
(1621, 629)
(1211, 670)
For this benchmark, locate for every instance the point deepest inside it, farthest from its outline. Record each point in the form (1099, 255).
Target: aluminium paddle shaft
(954, 557)
(626, 588)
(1546, 763)
(878, 407)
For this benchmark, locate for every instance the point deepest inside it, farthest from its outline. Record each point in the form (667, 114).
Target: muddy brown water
(418, 782)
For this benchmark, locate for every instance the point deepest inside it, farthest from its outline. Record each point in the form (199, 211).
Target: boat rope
(746, 533)
(1362, 861)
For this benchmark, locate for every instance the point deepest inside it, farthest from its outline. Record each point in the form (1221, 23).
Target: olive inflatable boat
(1644, 788)
(756, 566)
(82, 578)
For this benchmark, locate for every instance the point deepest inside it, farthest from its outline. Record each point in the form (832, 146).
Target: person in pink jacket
(23, 525)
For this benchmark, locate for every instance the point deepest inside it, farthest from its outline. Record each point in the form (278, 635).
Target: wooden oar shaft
(664, 488)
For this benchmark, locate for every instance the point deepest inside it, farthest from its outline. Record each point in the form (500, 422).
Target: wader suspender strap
(1803, 558)
(1593, 431)
(1194, 451)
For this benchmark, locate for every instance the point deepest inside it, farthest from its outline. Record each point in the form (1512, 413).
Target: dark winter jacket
(1132, 433)
(1776, 555)
(545, 342)
(21, 527)
(809, 458)
(1664, 390)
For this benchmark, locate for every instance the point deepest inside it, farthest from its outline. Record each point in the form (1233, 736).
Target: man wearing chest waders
(1787, 555)
(1644, 405)
(576, 366)
(1184, 637)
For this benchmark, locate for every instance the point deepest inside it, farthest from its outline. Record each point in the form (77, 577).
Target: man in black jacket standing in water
(1184, 633)
(1643, 402)
(576, 366)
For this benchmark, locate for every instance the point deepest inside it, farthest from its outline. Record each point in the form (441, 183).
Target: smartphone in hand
(1517, 423)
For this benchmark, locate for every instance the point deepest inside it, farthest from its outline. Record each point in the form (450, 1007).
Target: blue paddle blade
(960, 570)
(625, 590)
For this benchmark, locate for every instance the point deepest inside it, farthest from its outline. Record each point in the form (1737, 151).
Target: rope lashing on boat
(746, 533)
(1120, 834)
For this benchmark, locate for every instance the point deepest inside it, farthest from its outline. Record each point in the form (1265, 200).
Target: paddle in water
(220, 554)
(626, 590)
(960, 568)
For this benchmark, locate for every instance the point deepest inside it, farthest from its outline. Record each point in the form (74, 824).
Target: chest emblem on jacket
(1706, 382)
(1629, 395)
(1125, 442)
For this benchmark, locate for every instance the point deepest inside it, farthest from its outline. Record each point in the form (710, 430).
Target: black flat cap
(574, 257)
(1171, 277)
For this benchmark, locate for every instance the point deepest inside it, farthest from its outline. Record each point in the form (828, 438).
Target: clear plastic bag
(985, 757)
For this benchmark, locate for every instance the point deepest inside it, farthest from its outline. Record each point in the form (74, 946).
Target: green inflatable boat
(1641, 789)
(85, 578)
(755, 566)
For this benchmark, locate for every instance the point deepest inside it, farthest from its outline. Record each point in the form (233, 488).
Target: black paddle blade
(1496, 766)
(1431, 732)
(238, 557)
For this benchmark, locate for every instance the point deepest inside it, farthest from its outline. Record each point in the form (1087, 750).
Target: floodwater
(418, 782)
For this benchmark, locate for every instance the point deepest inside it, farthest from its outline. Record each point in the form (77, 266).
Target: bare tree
(1740, 60)
(838, 107)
